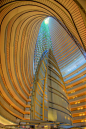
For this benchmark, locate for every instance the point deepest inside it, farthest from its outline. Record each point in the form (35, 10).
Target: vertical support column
(34, 99)
(44, 93)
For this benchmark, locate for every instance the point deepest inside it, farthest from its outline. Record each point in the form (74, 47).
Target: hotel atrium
(43, 64)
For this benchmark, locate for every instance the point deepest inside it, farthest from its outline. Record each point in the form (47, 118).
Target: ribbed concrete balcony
(78, 104)
(79, 118)
(78, 92)
(78, 111)
(77, 98)
(80, 124)
(76, 86)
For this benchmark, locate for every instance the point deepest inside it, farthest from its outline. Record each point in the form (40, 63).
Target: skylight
(46, 20)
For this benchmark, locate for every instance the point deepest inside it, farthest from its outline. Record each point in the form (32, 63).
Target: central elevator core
(49, 100)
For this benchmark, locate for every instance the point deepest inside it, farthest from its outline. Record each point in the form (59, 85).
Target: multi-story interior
(28, 28)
